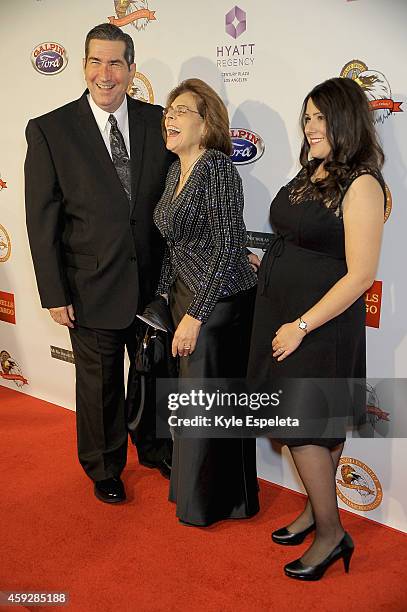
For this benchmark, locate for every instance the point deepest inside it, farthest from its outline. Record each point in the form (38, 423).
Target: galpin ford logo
(357, 485)
(10, 370)
(376, 87)
(248, 146)
(135, 12)
(49, 58)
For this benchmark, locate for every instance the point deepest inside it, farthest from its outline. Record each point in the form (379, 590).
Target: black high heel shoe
(285, 537)
(344, 551)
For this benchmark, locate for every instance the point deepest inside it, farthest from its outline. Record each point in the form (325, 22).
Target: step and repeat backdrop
(262, 56)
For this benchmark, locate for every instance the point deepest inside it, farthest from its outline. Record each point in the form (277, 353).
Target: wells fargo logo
(10, 370)
(135, 12)
(376, 87)
(357, 485)
(373, 301)
(5, 245)
(7, 307)
(49, 58)
(248, 146)
(141, 88)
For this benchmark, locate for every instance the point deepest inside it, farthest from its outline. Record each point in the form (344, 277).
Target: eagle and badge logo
(357, 485)
(374, 412)
(376, 87)
(5, 245)
(378, 91)
(389, 204)
(138, 14)
(10, 370)
(141, 89)
(135, 12)
(5, 242)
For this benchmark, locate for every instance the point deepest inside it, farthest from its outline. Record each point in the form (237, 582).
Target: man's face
(107, 74)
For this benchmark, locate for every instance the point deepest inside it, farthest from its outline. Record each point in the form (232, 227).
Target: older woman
(211, 288)
(310, 312)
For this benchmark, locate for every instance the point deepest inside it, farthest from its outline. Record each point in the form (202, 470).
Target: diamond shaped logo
(235, 22)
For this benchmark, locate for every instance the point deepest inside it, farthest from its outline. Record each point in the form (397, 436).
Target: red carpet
(136, 557)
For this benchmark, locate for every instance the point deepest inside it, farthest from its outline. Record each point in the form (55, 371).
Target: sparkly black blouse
(205, 233)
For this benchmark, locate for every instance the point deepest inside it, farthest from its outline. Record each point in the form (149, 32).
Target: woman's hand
(254, 261)
(287, 339)
(185, 336)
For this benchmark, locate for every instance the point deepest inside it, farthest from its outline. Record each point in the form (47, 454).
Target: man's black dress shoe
(110, 491)
(285, 537)
(344, 551)
(162, 466)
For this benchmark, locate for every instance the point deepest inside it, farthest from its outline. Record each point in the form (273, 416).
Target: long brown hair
(350, 133)
(212, 110)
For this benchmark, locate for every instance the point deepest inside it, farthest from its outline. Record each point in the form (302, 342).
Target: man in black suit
(95, 169)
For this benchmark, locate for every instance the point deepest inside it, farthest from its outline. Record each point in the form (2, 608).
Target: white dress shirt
(102, 119)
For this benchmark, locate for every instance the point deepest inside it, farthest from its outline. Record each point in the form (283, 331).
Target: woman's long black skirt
(215, 479)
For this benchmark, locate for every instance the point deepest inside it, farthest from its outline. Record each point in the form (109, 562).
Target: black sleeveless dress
(305, 258)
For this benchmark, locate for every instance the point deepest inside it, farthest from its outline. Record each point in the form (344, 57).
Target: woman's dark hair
(350, 132)
(212, 110)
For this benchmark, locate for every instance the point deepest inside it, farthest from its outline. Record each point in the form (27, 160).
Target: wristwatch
(303, 326)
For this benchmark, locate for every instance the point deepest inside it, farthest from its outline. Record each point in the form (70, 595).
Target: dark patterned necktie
(120, 156)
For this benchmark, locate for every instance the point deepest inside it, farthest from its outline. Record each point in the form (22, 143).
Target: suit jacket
(89, 245)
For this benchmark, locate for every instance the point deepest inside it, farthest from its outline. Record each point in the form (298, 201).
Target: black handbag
(154, 347)
(152, 359)
(150, 351)
(157, 314)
